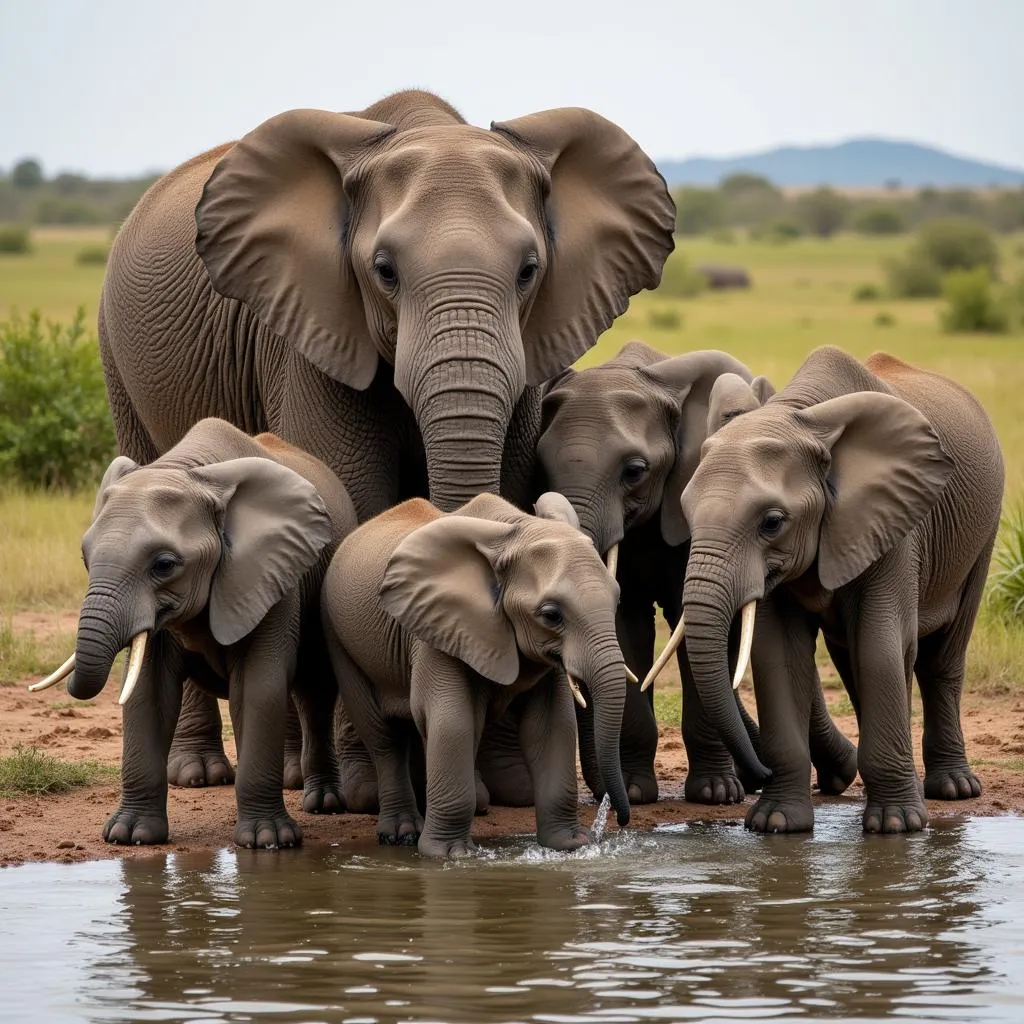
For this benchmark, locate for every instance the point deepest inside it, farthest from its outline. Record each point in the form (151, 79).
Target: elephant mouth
(137, 654)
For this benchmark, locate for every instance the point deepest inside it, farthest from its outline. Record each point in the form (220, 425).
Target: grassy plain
(802, 297)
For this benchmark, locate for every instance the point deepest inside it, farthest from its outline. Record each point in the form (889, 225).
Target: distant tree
(1007, 210)
(27, 174)
(958, 243)
(742, 181)
(822, 211)
(698, 210)
(879, 219)
(750, 199)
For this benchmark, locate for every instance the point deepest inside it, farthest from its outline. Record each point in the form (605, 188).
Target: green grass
(30, 772)
(22, 654)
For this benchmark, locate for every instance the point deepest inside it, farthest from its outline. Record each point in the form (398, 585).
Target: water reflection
(688, 923)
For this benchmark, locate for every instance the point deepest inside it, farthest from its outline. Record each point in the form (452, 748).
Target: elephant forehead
(157, 497)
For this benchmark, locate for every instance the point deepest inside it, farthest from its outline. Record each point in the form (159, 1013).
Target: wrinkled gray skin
(621, 441)
(386, 290)
(217, 550)
(863, 501)
(447, 620)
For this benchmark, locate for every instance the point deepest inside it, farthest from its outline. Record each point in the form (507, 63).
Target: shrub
(867, 293)
(879, 219)
(698, 210)
(679, 280)
(93, 255)
(971, 304)
(884, 319)
(781, 230)
(1006, 584)
(665, 319)
(957, 243)
(15, 240)
(822, 211)
(913, 277)
(55, 425)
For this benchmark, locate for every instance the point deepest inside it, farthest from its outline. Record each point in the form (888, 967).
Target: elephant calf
(446, 619)
(863, 501)
(208, 562)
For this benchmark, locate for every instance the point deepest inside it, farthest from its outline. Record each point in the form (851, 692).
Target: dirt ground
(67, 827)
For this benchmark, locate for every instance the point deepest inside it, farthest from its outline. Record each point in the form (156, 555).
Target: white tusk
(663, 659)
(613, 560)
(575, 688)
(630, 676)
(135, 656)
(746, 641)
(54, 677)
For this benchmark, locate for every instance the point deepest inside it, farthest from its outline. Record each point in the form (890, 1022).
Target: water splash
(601, 818)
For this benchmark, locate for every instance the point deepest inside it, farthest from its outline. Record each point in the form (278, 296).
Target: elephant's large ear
(610, 220)
(888, 470)
(121, 466)
(688, 380)
(271, 228)
(275, 525)
(440, 584)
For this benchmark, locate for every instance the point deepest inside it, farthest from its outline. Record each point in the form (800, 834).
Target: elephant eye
(634, 471)
(772, 523)
(385, 270)
(164, 564)
(528, 271)
(550, 614)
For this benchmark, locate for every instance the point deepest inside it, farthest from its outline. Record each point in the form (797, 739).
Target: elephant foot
(199, 767)
(464, 847)
(129, 828)
(836, 777)
(641, 786)
(566, 839)
(401, 829)
(359, 787)
(267, 833)
(713, 788)
(958, 784)
(910, 816)
(769, 815)
(322, 796)
(292, 778)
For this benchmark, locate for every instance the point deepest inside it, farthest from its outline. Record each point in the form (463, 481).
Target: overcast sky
(121, 86)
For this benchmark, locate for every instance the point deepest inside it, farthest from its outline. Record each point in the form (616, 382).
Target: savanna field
(806, 292)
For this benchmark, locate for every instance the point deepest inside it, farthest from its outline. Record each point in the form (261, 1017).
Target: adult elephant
(385, 289)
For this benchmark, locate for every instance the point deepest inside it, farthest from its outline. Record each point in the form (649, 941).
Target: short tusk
(666, 655)
(135, 656)
(746, 642)
(575, 688)
(54, 677)
(613, 560)
(630, 676)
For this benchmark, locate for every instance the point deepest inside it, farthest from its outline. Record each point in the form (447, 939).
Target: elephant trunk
(101, 636)
(709, 607)
(462, 377)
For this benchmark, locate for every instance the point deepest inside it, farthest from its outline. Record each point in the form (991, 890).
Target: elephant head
(231, 538)
(789, 491)
(621, 441)
(495, 595)
(476, 262)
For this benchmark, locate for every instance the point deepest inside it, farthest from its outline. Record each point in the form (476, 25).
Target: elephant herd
(355, 462)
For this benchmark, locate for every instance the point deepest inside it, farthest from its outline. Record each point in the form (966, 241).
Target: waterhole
(697, 922)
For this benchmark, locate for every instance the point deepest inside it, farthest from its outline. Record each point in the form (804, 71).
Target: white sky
(121, 86)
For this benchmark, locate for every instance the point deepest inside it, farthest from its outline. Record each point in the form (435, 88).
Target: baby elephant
(208, 562)
(445, 620)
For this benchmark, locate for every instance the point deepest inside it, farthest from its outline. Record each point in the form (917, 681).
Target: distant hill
(857, 163)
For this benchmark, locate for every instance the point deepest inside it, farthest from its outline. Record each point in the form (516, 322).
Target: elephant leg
(547, 732)
(449, 711)
(503, 776)
(638, 742)
(293, 747)
(148, 724)
(197, 755)
(358, 774)
(311, 716)
(883, 648)
(834, 757)
(940, 669)
(784, 679)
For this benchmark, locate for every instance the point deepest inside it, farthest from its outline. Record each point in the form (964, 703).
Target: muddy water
(686, 923)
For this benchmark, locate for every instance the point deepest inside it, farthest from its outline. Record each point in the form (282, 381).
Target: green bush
(957, 243)
(867, 293)
(93, 255)
(15, 240)
(913, 277)
(971, 304)
(822, 211)
(679, 280)
(665, 319)
(55, 425)
(1006, 584)
(879, 219)
(885, 319)
(698, 210)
